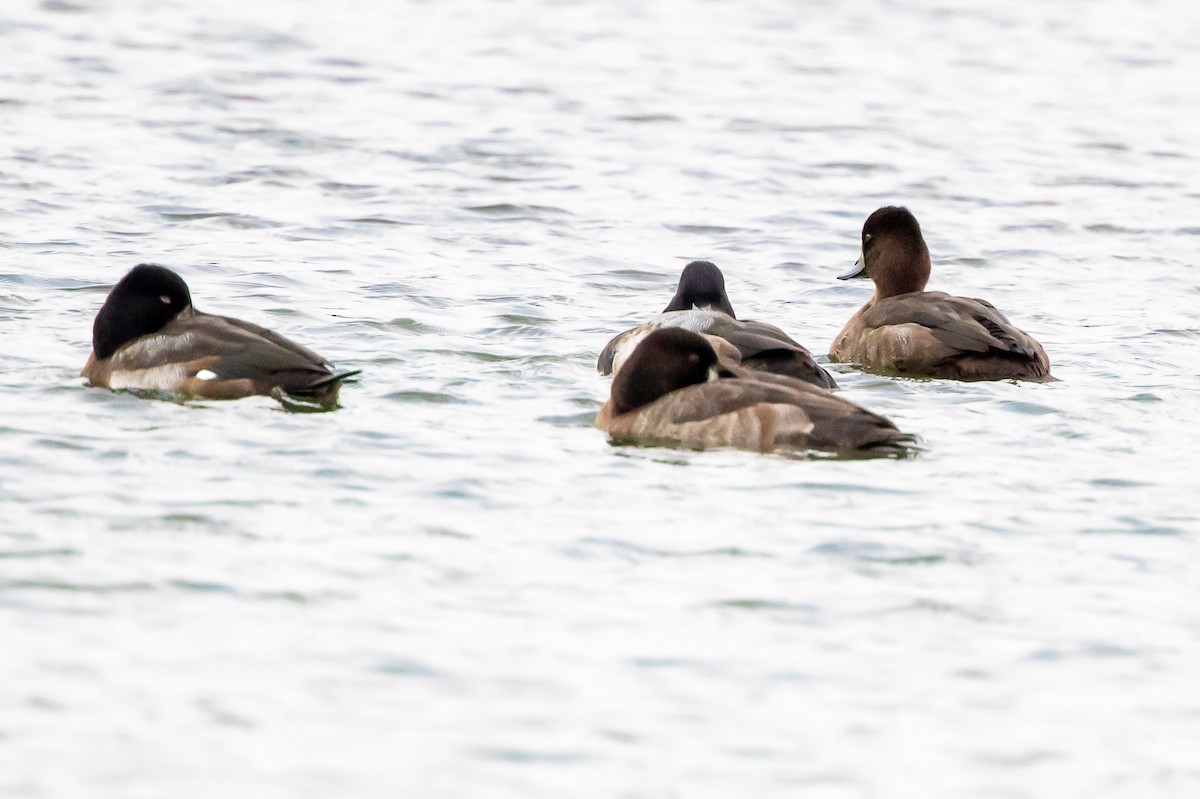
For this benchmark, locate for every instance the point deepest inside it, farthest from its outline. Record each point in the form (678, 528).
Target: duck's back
(933, 334)
(761, 346)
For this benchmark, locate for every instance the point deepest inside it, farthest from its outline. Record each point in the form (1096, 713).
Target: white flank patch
(697, 320)
(205, 374)
(627, 345)
(160, 378)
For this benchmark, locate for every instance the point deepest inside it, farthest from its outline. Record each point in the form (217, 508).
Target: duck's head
(701, 285)
(894, 254)
(143, 302)
(666, 360)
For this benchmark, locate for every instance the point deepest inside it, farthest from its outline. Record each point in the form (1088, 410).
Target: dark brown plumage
(909, 331)
(673, 390)
(701, 305)
(147, 335)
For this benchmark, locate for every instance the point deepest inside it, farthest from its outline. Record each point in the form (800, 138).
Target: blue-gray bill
(858, 271)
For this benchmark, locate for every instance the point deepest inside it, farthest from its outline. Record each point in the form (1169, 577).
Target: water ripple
(466, 202)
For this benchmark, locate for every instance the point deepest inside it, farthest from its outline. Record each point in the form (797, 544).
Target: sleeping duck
(701, 305)
(673, 390)
(148, 335)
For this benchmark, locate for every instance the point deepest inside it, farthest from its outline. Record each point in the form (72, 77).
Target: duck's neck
(901, 267)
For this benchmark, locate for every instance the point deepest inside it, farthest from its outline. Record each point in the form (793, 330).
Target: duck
(701, 305)
(905, 330)
(148, 336)
(674, 390)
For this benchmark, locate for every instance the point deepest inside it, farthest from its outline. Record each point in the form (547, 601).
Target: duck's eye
(165, 299)
(866, 237)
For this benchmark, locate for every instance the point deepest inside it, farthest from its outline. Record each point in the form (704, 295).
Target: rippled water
(453, 586)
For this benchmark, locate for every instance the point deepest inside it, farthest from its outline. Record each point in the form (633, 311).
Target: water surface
(453, 586)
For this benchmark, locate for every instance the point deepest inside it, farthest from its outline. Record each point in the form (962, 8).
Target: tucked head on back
(894, 254)
(667, 360)
(143, 302)
(701, 285)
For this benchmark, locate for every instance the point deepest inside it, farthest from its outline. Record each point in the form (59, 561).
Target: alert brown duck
(908, 331)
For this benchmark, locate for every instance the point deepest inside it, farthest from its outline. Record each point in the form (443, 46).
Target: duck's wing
(765, 347)
(751, 337)
(249, 352)
(760, 345)
(964, 324)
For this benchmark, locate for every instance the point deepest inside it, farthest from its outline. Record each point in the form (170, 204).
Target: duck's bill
(858, 271)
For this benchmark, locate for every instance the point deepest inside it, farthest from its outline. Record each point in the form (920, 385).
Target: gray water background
(453, 586)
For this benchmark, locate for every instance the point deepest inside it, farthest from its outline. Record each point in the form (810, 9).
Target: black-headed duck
(148, 336)
(673, 390)
(908, 331)
(701, 305)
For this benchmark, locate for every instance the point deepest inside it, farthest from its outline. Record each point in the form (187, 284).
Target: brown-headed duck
(148, 336)
(908, 331)
(701, 305)
(673, 390)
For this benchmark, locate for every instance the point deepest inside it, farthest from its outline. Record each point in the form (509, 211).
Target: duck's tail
(335, 378)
